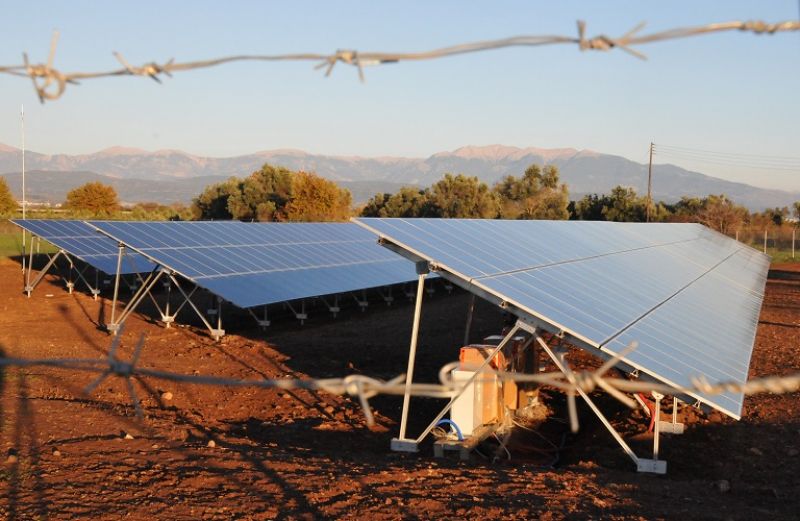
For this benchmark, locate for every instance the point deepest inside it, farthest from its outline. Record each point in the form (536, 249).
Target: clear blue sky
(730, 92)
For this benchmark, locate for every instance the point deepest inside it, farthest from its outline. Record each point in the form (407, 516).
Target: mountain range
(167, 176)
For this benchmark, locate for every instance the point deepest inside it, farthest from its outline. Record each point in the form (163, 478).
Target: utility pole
(650, 184)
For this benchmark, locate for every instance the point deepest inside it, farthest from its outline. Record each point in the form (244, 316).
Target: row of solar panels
(247, 264)
(690, 297)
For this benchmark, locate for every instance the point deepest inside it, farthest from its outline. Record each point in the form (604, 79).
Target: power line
(795, 159)
(783, 164)
(50, 83)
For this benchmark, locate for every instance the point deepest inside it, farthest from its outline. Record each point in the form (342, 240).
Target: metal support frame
(217, 333)
(70, 285)
(362, 302)
(262, 323)
(133, 303)
(674, 426)
(29, 286)
(332, 307)
(654, 465)
(300, 315)
(387, 296)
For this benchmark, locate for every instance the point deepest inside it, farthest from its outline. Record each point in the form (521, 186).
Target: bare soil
(304, 455)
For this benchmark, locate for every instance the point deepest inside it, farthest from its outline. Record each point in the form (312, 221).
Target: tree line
(274, 193)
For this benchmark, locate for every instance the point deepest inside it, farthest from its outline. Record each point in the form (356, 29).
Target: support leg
(672, 427)
(28, 287)
(120, 253)
(215, 333)
(401, 443)
(166, 318)
(470, 310)
(136, 299)
(262, 323)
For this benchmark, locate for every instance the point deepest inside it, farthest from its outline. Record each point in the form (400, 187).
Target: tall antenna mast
(650, 184)
(22, 125)
(22, 121)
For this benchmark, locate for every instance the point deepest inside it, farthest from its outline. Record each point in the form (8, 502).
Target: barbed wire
(365, 387)
(50, 83)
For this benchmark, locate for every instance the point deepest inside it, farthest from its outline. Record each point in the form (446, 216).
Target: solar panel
(84, 242)
(252, 264)
(689, 296)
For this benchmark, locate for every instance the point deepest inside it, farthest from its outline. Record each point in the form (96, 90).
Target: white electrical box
(479, 404)
(463, 411)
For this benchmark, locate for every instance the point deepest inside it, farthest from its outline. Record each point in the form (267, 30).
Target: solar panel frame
(83, 242)
(511, 289)
(254, 264)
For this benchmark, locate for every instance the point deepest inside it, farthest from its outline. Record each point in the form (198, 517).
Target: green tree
(623, 205)
(212, 203)
(777, 215)
(590, 208)
(8, 205)
(406, 202)
(375, 206)
(535, 195)
(461, 196)
(796, 211)
(95, 199)
(261, 195)
(317, 199)
(722, 214)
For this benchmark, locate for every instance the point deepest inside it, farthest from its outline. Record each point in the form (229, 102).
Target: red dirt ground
(303, 455)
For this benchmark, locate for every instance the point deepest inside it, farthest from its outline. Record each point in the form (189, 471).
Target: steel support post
(470, 310)
(28, 288)
(165, 316)
(672, 427)
(362, 302)
(299, 315)
(262, 323)
(401, 443)
(120, 252)
(216, 334)
(70, 269)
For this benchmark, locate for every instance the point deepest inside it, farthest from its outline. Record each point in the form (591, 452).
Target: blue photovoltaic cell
(83, 242)
(689, 296)
(252, 264)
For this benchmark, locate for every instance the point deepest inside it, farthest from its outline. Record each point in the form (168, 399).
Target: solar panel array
(84, 242)
(252, 264)
(689, 296)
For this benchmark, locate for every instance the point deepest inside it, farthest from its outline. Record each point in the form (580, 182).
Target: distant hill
(172, 175)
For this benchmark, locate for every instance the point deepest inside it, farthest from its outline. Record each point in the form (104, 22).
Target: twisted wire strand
(365, 387)
(50, 83)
